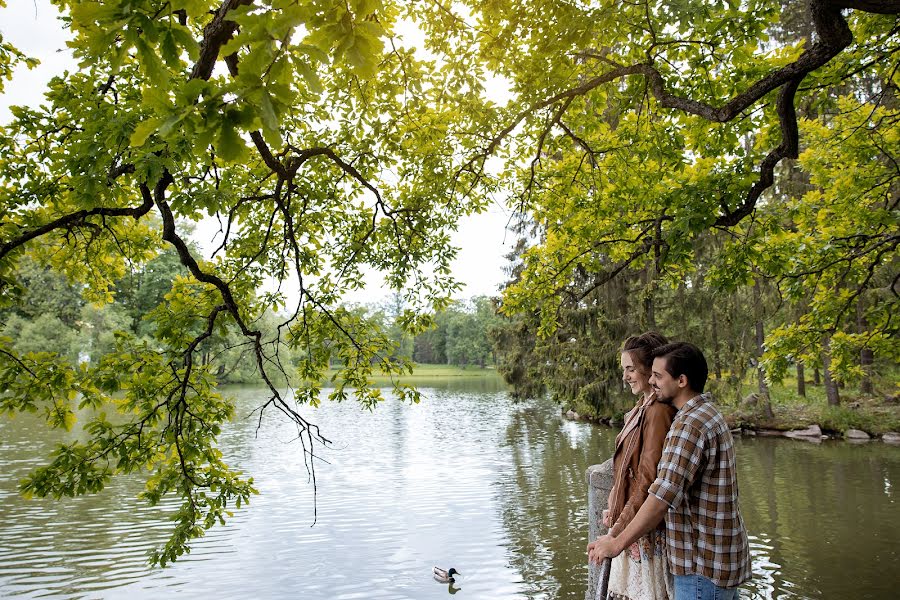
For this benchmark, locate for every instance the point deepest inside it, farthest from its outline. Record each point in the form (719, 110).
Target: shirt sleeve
(682, 460)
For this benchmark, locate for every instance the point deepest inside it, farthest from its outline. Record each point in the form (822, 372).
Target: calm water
(465, 479)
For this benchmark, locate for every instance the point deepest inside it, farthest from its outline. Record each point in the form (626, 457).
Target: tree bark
(801, 382)
(831, 388)
(649, 309)
(866, 356)
(717, 361)
(760, 339)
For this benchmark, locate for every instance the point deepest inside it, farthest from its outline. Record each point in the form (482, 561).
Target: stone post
(600, 482)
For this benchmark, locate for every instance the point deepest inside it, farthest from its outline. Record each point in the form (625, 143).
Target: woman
(641, 572)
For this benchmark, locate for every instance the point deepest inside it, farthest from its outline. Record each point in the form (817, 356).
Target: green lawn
(423, 375)
(453, 371)
(440, 372)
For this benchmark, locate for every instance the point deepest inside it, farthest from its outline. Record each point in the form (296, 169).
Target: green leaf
(229, 145)
(151, 64)
(267, 111)
(186, 40)
(142, 131)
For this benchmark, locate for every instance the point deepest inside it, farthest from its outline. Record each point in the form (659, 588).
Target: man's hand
(605, 546)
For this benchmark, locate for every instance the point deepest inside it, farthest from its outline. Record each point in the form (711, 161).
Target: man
(695, 489)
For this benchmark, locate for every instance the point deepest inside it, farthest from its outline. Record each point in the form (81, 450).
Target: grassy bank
(428, 373)
(875, 414)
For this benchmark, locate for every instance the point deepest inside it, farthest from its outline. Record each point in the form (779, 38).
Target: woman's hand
(605, 519)
(604, 546)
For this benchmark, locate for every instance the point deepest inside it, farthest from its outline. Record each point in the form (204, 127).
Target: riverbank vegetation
(724, 172)
(760, 225)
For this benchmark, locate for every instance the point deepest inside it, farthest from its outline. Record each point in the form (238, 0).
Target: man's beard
(661, 398)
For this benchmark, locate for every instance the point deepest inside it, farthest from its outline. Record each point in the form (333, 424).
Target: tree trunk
(866, 356)
(649, 308)
(760, 338)
(831, 388)
(817, 378)
(801, 382)
(717, 361)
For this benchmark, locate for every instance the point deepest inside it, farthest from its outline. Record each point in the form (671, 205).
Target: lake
(466, 479)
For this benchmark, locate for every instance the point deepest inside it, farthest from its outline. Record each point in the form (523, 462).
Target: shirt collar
(696, 401)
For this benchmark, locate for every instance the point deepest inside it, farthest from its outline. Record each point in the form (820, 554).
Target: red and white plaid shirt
(697, 478)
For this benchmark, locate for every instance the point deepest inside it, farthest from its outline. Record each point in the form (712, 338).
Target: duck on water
(445, 576)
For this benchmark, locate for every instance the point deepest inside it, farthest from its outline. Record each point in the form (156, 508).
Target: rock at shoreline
(572, 415)
(856, 435)
(813, 433)
(770, 433)
(891, 437)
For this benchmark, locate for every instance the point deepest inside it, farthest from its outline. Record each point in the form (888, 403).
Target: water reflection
(823, 523)
(544, 499)
(465, 479)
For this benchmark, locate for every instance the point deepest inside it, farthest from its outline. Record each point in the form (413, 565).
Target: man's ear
(682, 381)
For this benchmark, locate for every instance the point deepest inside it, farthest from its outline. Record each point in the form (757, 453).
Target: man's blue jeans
(697, 587)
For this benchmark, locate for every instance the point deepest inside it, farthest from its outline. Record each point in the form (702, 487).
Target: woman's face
(634, 376)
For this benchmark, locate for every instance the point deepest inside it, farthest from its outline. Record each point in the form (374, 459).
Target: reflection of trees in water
(543, 498)
(828, 511)
(823, 516)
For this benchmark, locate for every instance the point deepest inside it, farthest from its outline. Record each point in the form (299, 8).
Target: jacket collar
(634, 417)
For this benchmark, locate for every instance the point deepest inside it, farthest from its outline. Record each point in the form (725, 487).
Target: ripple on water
(471, 481)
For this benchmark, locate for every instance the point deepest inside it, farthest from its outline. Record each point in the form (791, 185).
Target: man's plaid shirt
(697, 478)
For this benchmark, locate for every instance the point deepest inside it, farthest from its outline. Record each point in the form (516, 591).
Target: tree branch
(216, 33)
(75, 219)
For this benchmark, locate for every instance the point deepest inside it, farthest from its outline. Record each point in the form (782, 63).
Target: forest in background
(54, 316)
(577, 366)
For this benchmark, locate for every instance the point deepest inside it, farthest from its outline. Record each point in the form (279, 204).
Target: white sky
(32, 26)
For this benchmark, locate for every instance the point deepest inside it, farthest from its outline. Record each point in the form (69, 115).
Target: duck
(445, 576)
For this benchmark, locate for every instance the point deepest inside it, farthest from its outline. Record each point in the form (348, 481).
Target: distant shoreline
(424, 372)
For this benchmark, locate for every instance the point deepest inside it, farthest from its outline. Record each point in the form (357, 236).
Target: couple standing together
(676, 530)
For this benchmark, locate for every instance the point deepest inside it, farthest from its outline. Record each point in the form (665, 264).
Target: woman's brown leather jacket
(638, 450)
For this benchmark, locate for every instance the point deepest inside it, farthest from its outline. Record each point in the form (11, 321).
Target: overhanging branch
(833, 36)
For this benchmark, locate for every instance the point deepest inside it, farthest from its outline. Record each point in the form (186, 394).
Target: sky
(32, 26)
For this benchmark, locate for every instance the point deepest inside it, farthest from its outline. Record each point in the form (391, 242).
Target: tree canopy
(705, 143)
(635, 135)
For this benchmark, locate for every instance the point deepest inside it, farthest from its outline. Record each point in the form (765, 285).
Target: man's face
(665, 386)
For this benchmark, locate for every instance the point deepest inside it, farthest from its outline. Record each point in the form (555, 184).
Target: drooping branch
(610, 274)
(187, 258)
(833, 36)
(305, 154)
(789, 148)
(75, 219)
